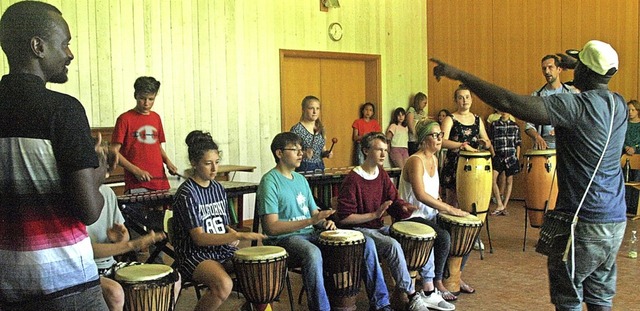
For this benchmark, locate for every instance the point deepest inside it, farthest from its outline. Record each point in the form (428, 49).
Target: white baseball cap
(598, 56)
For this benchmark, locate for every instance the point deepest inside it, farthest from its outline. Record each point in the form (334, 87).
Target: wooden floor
(508, 279)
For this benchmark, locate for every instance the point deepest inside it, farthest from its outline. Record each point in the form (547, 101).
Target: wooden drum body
(542, 184)
(464, 231)
(474, 177)
(147, 287)
(261, 272)
(342, 255)
(416, 240)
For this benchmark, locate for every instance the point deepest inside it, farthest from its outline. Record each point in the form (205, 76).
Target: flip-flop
(448, 296)
(500, 212)
(465, 288)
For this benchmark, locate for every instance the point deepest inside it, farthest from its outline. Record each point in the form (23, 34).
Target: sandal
(448, 296)
(465, 288)
(500, 212)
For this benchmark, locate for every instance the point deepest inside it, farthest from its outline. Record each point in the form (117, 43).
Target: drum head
(469, 220)
(546, 152)
(413, 229)
(257, 253)
(471, 154)
(342, 235)
(142, 273)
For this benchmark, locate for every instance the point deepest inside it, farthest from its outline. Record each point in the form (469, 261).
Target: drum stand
(526, 218)
(475, 213)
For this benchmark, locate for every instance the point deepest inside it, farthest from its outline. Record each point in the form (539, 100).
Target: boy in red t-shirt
(138, 137)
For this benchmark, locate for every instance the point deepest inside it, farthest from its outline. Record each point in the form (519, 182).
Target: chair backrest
(634, 161)
(168, 225)
(255, 226)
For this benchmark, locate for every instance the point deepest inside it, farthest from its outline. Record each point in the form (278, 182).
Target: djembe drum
(342, 255)
(261, 272)
(147, 287)
(542, 184)
(464, 231)
(416, 240)
(474, 178)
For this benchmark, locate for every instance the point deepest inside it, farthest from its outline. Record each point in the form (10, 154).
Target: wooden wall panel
(615, 22)
(460, 32)
(342, 96)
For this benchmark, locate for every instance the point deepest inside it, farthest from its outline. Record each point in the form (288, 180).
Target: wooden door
(341, 81)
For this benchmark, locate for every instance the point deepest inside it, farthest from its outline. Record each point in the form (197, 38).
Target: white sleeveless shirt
(431, 187)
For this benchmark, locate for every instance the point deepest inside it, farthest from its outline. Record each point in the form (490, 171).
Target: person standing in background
(416, 112)
(311, 130)
(505, 149)
(543, 135)
(398, 137)
(366, 124)
(50, 171)
(138, 137)
(463, 130)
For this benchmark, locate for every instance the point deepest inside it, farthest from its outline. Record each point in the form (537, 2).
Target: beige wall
(218, 61)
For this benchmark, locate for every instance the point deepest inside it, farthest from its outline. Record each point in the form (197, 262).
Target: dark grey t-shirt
(582, 124)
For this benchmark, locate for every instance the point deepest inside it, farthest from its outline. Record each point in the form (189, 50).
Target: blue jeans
(596, 247)
(303, 251)
(390, 249)
(434, 269)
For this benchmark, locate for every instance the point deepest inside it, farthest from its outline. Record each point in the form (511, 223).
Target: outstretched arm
(529, 108)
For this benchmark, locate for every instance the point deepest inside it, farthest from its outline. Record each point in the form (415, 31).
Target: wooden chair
(634, 163)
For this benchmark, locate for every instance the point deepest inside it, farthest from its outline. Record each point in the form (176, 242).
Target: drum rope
(574, 222)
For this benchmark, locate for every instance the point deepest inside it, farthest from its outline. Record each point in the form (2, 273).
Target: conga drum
(261, 273)
(474, 178)
(342, 255)
(464, 231)
(416, 240)
(542, 184)
(147, 287)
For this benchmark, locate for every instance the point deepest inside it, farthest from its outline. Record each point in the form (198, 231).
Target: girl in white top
(398, 135)
(419, 185)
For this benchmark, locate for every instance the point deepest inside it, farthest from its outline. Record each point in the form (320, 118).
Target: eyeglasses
(295, 150)
(437, 135)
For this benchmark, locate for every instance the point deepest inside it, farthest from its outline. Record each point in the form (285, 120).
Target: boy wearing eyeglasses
(289, 214)
(505, 148)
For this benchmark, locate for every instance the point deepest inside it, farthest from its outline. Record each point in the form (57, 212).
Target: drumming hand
(383, 208)
(146, 240)
(409, 208)
(457, 212)
(485, 142)
(329, 225)
(117, 233)
(252, 236)
(321, 215)
(629, 150)
(327, 154)
(540, 143)
(245, 235)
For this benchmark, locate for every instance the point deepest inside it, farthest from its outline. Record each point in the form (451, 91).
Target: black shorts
(500, 166)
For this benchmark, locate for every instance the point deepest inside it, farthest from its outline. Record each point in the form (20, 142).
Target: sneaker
(435, 301)
(418, 303)
(478, 245)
